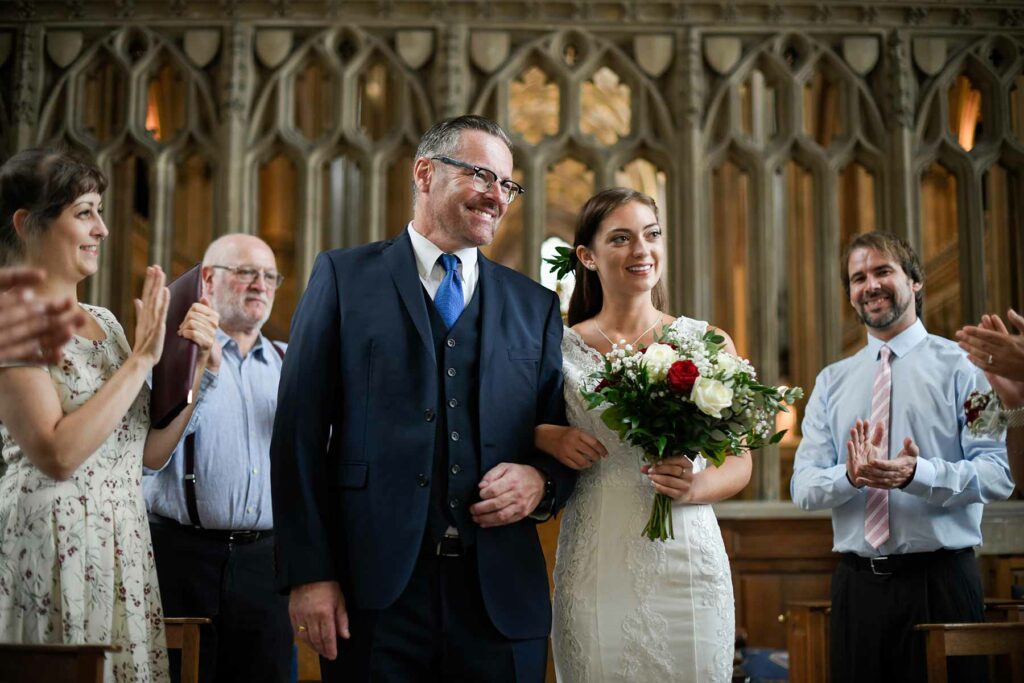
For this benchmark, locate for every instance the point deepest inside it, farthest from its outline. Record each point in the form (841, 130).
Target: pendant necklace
(642, 334)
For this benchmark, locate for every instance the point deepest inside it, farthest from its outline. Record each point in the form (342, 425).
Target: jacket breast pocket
(351, 475)
(524, 353)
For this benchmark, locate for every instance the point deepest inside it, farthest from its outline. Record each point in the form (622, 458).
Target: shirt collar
(258, 350)
(427, 254)
(902, 343)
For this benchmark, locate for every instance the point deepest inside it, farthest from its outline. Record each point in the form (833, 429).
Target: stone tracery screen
(769, 134)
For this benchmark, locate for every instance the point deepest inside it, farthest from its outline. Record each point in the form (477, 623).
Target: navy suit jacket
(353, 431)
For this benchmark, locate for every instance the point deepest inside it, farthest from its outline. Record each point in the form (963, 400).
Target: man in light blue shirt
(210, 508)
(921, 505)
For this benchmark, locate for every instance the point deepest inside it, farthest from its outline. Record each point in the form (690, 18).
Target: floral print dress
(76, 561)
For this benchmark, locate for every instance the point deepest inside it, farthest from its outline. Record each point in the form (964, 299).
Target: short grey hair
(443, 137)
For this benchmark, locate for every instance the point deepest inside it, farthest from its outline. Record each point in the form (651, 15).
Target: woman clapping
(78, 564)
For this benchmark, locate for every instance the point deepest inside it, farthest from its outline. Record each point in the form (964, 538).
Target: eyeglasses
(484, 179)
(247, 276)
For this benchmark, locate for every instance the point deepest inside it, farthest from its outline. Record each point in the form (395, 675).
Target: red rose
(602, 384)
(682, 375)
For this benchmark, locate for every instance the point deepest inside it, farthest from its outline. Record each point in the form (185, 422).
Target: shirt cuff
(207, 381)
(924, 478)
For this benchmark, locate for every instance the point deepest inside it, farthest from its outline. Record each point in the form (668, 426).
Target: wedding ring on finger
(302, 628)
(990, 359)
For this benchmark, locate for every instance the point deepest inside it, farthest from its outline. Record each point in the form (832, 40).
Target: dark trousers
(437, 630)
(873, 616)
(232, 584)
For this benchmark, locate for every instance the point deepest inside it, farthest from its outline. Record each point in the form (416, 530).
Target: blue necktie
(448, 300)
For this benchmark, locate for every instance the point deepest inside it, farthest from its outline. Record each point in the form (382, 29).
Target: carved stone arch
(1003, 43)
(720, 95)
(643, 149)
(932, 96)
(412, 88)
(865, 102)
(537, 52)
(411, 95)
(764, 58)
(70, 86)
(274, 91)
(804, 48)
(545, 49)
(650, 110)
(811, 156)
(595, 159)
(197, 82)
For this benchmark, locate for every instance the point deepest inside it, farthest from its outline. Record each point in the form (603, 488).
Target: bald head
(242, 299)
(234, 246)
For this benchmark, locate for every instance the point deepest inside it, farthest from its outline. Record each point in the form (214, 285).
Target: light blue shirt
(233, 421)
(956, 472)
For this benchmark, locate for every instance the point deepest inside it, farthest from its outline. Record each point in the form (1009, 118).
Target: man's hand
(318, 615)
(991, 347)
(508, 493)
(893, 473)
(861, 449)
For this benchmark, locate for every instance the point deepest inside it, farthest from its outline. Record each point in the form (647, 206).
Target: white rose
(728, 363)
(658, 358)
(711, 396)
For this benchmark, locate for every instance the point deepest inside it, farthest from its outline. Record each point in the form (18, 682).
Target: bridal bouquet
(685, 395)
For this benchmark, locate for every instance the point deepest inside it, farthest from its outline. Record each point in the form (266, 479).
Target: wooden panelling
(775, 562)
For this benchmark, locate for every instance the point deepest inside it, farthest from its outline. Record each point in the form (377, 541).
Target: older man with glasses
(210, 506)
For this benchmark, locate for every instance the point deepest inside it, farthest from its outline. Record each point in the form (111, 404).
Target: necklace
(642, 334)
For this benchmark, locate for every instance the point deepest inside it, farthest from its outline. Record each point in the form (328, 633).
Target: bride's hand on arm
(31, 409)
(570, 446)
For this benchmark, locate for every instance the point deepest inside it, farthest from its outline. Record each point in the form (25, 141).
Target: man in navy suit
(406, 485)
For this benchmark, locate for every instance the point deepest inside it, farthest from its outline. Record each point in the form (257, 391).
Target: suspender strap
(190, 480)
(190, 467)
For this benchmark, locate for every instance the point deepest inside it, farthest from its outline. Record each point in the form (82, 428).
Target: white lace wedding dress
(626, 608)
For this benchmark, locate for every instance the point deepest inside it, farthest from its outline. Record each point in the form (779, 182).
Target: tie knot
(449, 262)
(884, 353)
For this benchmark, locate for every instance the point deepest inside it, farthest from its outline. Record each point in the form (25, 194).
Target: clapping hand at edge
(33, 331)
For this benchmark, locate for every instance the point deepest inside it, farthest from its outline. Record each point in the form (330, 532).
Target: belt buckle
(875, 570)
(449, 546)
(246, 536)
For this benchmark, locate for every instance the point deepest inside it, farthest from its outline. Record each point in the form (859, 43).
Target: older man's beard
(885, 318)
(234, 316)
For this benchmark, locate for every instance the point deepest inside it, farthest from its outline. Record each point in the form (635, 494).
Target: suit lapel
(402, 263)
(492, 303)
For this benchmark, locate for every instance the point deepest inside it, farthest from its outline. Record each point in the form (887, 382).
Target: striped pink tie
(876, 512)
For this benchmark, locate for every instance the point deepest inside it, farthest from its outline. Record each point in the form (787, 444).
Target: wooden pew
(807, 640)
(183, 634)
(807, 634)
(32, 662)
(956, 640)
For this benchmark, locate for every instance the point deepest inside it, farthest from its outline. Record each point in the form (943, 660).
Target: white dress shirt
(431, 271)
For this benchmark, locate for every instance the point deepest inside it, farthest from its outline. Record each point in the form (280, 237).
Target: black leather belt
(450, 546)
(239, 537)
(886, 565)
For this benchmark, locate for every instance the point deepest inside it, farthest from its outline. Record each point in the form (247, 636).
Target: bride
(626, 608)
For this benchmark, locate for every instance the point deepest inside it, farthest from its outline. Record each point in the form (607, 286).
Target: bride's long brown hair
(588, 297)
